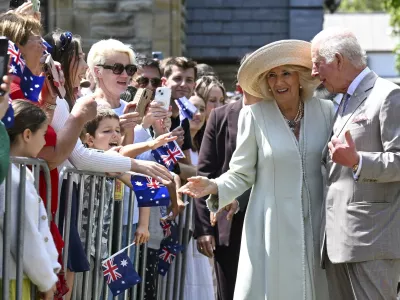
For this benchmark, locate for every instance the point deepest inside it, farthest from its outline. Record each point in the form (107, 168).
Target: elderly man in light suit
(361, 239)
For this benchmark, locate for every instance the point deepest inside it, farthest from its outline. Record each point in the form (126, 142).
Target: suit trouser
(369, 280)
(226, 259)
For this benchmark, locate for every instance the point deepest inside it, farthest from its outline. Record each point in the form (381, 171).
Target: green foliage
(362, 5)
(393, 8)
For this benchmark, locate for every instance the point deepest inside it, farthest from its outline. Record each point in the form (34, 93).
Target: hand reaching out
(162, 140)
(199, 186)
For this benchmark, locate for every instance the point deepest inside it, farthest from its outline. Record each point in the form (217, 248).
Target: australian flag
(149, 192)
(31, 85)
(166, 256)
(186, 109)
(8, 119)
(168, 155)
(119, 273)
(17, 63)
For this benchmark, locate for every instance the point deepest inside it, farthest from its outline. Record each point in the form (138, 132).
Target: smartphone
(163, 95)
(129, 94)
(35, 5)
(142, 99)
(157, 55)
(52, 77)
(4, 58)
(16, 3)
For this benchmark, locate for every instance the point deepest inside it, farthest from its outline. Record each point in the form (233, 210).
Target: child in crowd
(103, 133)
(40, 256)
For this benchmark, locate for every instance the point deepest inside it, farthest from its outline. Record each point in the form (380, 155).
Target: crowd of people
(295, 196)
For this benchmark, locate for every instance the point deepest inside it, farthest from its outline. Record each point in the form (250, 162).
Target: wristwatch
(49, 106)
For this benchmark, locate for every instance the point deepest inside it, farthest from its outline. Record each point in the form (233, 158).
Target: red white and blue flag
(186, 108)
(119, 273)
(149, 192)
(168, 155)
(166, 256)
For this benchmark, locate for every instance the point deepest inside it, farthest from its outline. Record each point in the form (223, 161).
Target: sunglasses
(144, 81)
(118, 69)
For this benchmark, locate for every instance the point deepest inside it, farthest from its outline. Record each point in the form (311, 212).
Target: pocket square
(360, 118)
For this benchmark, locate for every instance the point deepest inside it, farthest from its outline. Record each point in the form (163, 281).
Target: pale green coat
(279, 256)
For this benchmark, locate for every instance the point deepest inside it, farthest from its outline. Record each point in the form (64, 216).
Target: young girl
(40, 255)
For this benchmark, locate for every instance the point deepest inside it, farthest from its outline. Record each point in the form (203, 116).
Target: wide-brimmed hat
(286, 52)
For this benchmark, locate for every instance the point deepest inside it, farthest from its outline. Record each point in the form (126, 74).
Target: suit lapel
(233, 117)
(360, 95)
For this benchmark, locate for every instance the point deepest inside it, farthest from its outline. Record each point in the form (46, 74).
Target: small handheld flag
(166, 256)
(168, 155)
(17, 63)
(186, 108)
(8, 119)
(149, 192)
(119, 273)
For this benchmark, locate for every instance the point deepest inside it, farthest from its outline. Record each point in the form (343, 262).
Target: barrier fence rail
(5, 220)
(90, 284)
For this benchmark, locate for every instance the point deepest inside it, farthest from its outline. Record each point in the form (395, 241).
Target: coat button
(46, 239)
(44, 217)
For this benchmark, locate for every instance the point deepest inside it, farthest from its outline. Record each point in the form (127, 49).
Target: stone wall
(147, 25)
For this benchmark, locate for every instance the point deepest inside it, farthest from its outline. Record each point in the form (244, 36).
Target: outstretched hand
(198, 187)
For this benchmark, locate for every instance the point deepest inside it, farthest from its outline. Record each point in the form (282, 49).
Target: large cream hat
(252, 72)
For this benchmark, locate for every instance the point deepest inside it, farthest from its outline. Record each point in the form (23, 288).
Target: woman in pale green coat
(279, 150)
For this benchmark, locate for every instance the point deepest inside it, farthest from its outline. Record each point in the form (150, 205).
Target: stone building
(218, 32)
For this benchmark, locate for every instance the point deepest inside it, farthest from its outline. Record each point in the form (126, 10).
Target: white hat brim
(280, 53)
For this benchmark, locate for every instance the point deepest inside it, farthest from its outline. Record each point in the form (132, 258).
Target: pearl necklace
(300, 113)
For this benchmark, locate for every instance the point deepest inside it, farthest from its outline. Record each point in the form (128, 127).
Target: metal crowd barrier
(23, 163)
(170, 287)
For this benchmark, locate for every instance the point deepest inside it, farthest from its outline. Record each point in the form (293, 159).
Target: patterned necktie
(343, 103)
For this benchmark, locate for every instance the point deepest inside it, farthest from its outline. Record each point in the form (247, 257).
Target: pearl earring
(301, 87)
(269, 90)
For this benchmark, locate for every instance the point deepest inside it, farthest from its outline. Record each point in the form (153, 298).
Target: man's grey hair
(340, 40)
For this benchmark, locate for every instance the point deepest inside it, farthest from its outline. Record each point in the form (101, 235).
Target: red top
(51, 140)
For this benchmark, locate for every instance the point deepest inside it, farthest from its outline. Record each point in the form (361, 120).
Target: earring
(301, 87)
(269, 90)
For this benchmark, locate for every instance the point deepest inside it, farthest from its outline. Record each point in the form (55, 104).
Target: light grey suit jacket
(363, 217)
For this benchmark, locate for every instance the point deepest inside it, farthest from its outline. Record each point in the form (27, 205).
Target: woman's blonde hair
(307, 82)
(204, 86)
(101, 50)
(18, 28)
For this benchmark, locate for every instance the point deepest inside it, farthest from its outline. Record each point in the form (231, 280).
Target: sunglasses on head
(144, 81)
(118, 68)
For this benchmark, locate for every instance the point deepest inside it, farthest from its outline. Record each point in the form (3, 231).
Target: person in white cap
(279, 150)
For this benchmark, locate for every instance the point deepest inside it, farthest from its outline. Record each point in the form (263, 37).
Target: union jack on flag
(166, 255)
(149, 192)
(168, 155)
(153, 184)
(166, 227)
(17, 64)
(120, 273)
(110, 270)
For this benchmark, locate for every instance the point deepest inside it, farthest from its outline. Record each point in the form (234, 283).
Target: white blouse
(40, 256)
(84, 158)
